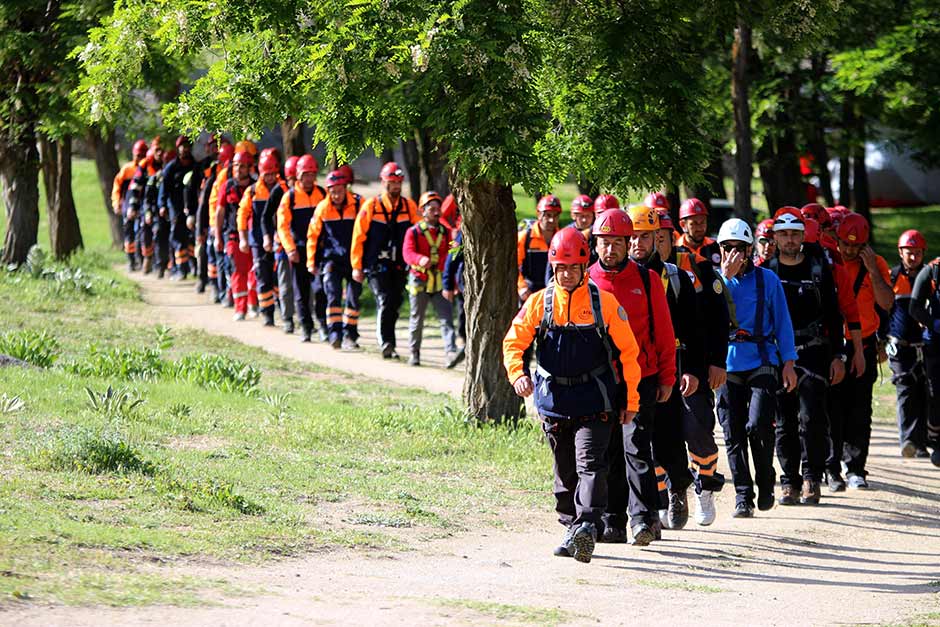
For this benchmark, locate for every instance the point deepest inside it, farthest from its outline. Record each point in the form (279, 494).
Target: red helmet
(614, 222)
(307, 164)
(290, 167)
(582, 204)
(391, 171)
(243, 156)
(692, 207)
(274, 152)
(765, 228)
(427, 197)
(854, 229)
(657, 200)
(182, 139)
(226, 152)
(140, 148)
(665, 220)
(348, 172)
(550, 204)
(169, 155)
(817, 212)
(810, 230)
(605, 202)
(836, 215)
(336, 177)
(268, 164)
(569, 247)
(912, 239)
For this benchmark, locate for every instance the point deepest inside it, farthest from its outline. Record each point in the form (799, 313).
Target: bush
(93, 452)
(37, 348)
(199, 494)
(120, 363)
(114, 403)
(218, 372)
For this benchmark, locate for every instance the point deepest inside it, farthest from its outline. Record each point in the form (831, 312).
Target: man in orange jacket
(579, 386)
(693, 218)
(378, 236)
(119, 190)
(640, 292)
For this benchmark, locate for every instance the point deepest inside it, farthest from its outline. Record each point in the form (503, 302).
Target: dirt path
(859, 558)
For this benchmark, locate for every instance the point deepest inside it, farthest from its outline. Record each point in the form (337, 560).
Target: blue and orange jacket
(122, 181)
(329, 236)
(251, 207)
(574, 307)
(532, 255)
(902, 324)
(294, 215)
(708, 249)
(380, 232)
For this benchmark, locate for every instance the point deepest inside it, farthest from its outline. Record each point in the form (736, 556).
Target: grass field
(230, 454)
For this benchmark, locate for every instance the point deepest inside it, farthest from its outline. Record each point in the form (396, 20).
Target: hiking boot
(566, 548)
(857, 482)
(350, 344)
(811, 493)
(642, 535)
(307, 334)
(705, 514)
(935, 457)
(253, 312)
(387, 350)
(229, 301)
(922, 453)
(148, 265)
(161, 273)
(415, 359)
(788, 495)
(664, 517)
(288, 326)
(239, 316)
(743, 510)
(613, 535)
(324, 335)
(678, 510)
(455, 358)
(657, 528)
(908, 449)
(765, 499)
(336, 342)
(583, 542)
(269, 318)
(835, 481)
(201, 287)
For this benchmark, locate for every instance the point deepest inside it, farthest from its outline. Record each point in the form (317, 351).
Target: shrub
(218, 372)
(92, 451)
(114, 403)
(37, 348)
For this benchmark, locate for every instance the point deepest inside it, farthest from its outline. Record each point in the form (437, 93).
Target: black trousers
(632, 480)
(802, 429)
(181, 239)
(579, 447)
(686, 421)
(389, 290)
(932, 366)
(202, 263)
(264, 277)
(161, 240)
(342, 305)
(747, 408)
(303, 283)
(909, 376)
(850, 415)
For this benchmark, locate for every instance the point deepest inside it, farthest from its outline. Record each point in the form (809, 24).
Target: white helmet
(736, 229)
(788, 222)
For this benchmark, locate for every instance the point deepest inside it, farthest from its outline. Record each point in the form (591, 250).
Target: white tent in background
(894, 179)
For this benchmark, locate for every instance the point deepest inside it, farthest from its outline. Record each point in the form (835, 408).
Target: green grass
(677, 585)
(507, 613)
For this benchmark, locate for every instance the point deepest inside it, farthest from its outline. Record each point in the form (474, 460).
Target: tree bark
(712, 187)
(292, 138)
(489, 235)
(860, 192)
(106, 162)
(780, 170)
(387, 155)
(817, 144)
(65, 235)
(744, 155)
(845, 176)
(845, 181)
(19, 175)
(409, 149)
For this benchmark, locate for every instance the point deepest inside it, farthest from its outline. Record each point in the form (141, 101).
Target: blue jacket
(743, 356)
(453, 267)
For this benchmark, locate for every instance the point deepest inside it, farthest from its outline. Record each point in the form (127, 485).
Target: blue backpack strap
(599, 325)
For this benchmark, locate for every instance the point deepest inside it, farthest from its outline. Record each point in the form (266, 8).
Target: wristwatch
(843, 357)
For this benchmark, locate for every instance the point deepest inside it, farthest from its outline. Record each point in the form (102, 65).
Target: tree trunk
(817, 144)
(845, 181)
(711, 188)
(743, 158)
(845, 175)
(409, 149)
(65, 235)
(489, 232)
(434, 158)
(292, 138)
(19, 176)
(387, 155)
(672, 195)
(860, 173)
(106, 161)
(780, 170)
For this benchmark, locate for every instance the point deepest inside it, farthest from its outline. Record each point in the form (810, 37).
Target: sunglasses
(728, 248)
(765, 240)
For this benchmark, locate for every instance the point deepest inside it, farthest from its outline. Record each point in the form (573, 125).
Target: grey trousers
(285, 288)
(419, 305)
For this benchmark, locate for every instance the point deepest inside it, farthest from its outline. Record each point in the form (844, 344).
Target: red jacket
(657, 353)
(417, 245)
